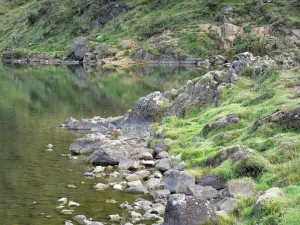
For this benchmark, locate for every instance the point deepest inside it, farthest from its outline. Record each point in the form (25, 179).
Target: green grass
(250, 99)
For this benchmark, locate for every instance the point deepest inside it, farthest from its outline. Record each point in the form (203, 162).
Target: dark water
(33, 101)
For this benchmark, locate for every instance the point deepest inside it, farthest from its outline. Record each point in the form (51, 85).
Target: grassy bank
(275, 157)
(48, 27)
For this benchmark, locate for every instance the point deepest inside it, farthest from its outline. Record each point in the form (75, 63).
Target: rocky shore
(118, 147)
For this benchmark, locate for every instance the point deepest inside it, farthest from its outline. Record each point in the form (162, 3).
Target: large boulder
(113, 151)
(188, 210)
(163, 165)
(149, 108)
(241, 188)
(80, 47)
(213, 181)
(197, 93)
(179, 182)
(269, 195)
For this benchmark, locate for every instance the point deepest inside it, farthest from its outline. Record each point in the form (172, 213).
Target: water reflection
(33, 101)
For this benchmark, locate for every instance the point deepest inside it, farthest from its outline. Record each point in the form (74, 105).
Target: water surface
(33, 102)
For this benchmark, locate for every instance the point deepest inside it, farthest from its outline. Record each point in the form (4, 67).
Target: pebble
(111, 201)
(62, 201)
(73, 204)
(49, 146)
(71, 186)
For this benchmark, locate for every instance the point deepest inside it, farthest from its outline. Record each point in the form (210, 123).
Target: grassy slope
(49, 26)
(267, 168)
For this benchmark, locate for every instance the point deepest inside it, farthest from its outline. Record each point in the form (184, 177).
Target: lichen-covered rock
(269, 195)
(221, 123)
(150, 108)
(241, 188)
(196, 93)
(213, 181)
(80, 46)
(188, 210)
(179, 182)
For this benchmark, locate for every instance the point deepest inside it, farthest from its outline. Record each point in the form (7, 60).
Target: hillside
(159, 29)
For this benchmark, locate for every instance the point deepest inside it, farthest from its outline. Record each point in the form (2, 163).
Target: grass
(270, 166)
(50, 26)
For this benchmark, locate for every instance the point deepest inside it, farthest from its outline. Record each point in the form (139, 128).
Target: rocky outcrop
(197, 93)
(80, 47)
(289, 120)
(149, 108)
(221, 123)
(188, 210)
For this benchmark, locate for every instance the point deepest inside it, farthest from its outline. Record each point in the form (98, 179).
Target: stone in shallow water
(114, 218)
(71, 186)
(67, 211)
(101, 186)
(62, 201)
(99, 169)
(73, 204)
(89, 174)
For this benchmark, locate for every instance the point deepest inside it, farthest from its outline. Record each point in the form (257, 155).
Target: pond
(33, 102)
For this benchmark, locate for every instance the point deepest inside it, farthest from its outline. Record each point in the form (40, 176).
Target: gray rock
(142, 204)
(142, 174)
(162, 155)
(132, 177)
(149, 108)
(153, 183)
(221, 123)
(213, 181)
(241, 188)
(158, 194)
(209, 193)
(128, 164)
(80, 46)
(114, 218)
(228, 205)
(71, 186)
(269, 195)
(179, 182)
(188, 210)
(163, 165)
(180, 166)
(161, 147)
(137, 190)
(146, 156)
(89, 174)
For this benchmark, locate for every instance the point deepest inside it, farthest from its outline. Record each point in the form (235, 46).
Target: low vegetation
(274, 157)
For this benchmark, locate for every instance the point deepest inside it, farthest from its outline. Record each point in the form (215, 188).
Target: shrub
(251, 166)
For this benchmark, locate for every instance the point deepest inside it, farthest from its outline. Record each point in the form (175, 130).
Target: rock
(229, 205)
(114, 218)
(163, 165)
(71, 186)
(157, 174)
(81, 219)
(73, 204)
(114, 174)
(68, 222)
(241, 188)
(180, 166)
(161, 147)
(221, 123)
(162, 155)
(87, 144)
(269, 195)
(62, 201)
(188, 210)
(132, 177)
(158, 194)
(49, 146)
(125, 205)
(196, 93)
(99, 169)
(149, 109)
(101, 186)
(157, 209)
(89, 174)
(288, 119)
(113, 151)
(227, 10)
(222, 214)
(67, 211)
(137, 190)
(142, 204)
(179, 182)
(128, 164)
(112, 201)
(80, 46)
(147, 162)
(209, 193)
(118, 187)
(135, 216)
(134, 183)
(146, 156)
(142, 174)
(153, 183)
(213, 181)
